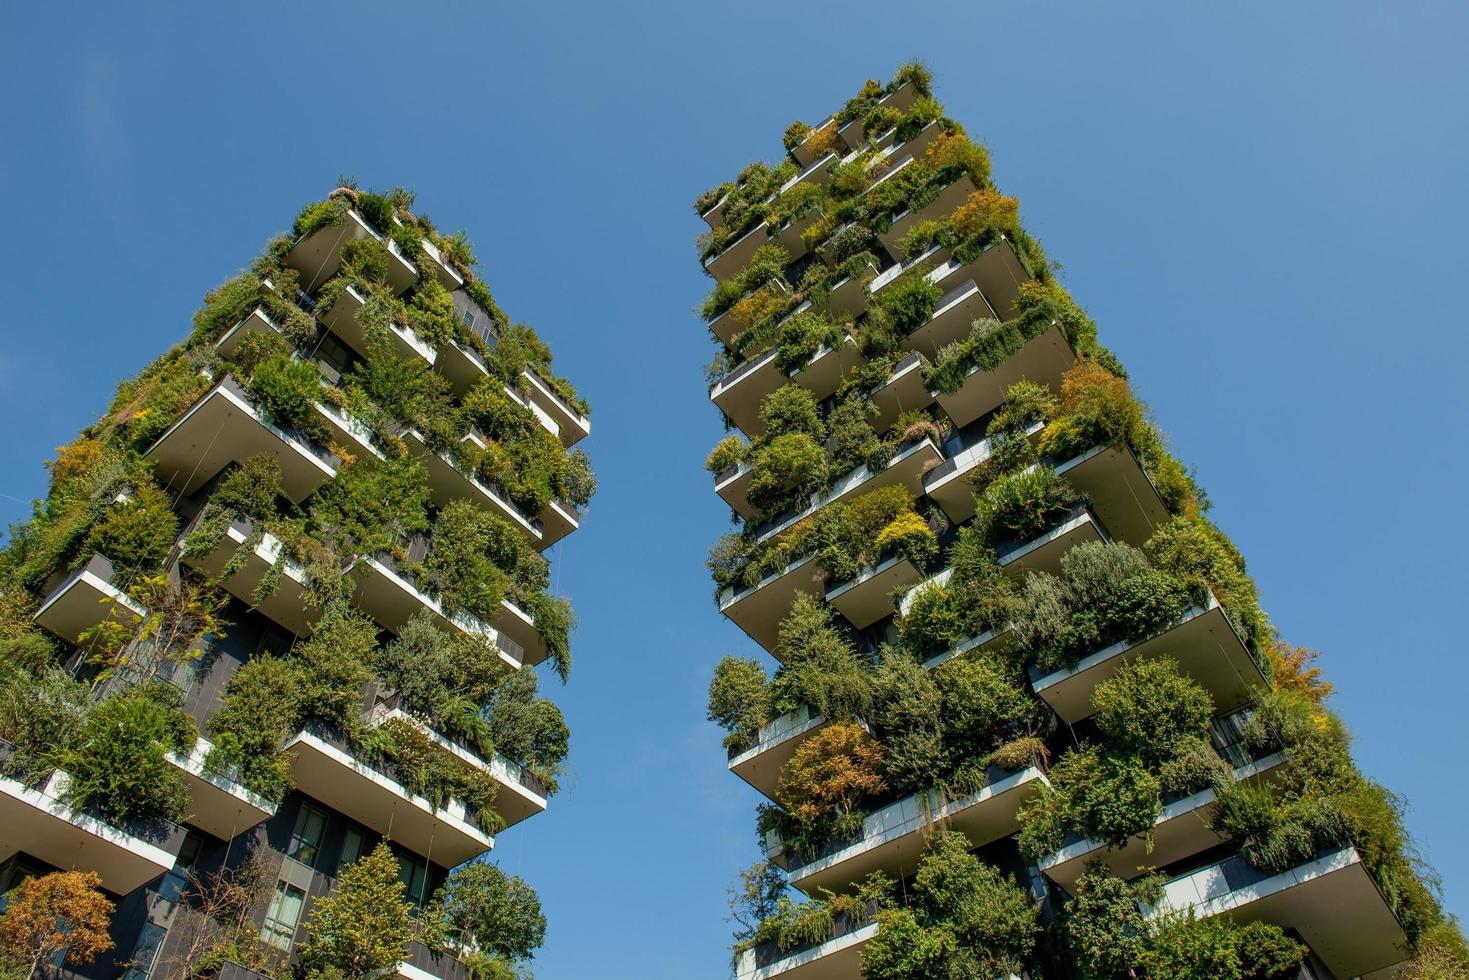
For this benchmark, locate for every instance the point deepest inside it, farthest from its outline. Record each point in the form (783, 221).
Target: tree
(1294, 669)
(830, 774)
(180, 614)
(64, 910)
(217, 924)
(1152, 709)
(739, 700)
(362, 929)
(755, 898)
(493, 911)
(1105, 927)
(119, 766)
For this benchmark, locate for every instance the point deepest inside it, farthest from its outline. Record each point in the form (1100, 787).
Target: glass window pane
(351, 848)
(285, 912)
(306, 838)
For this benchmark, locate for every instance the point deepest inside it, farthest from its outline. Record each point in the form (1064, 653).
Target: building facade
(283, 602)
(1026, 717)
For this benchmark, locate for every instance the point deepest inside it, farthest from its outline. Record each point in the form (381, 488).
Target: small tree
(217, 923)
(362, 930)
(497, 913)
(831, 773)
(64, 910)
(755, 898)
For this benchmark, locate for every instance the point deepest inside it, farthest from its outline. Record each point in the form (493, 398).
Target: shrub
(362, 929)
(788, 466)
(1096, 407)
(1104, 924)
(261, 708)
(726, 454)
(42, 713)
(1151, 709)
(118, 767)
(985, 702)
(63, 915)
(910, 537)
(492, 911)
(791, 409)
(287, 390)
(819, 666)
(830, 775)
(1021, 505)
(1198, 554)
(529, 729)
(906, 703)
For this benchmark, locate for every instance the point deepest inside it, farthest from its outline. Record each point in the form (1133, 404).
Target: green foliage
(1105, 593)
(1198, 554)
(319, 214)
(261, 708)
(819, 665)
(117, 764)
(967, 919)
(1024, 504)
(739, 700)
(1151, 709)
(527, 728)
(786, 469)
(988, 345)
(336, 663)
(906, 701)
(767, 265)
(287, 391)
(444, 679)
(986, 701)
(1104, 923)
(372, 505)
(727, 453)
(136, 534)
(43, 713)
(496, 912)
(362, 929)
(790, 410)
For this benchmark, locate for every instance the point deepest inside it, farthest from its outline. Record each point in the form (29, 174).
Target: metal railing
(521, 774)
(842, 924)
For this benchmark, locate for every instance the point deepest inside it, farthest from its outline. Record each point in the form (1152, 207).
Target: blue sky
(1261, 204)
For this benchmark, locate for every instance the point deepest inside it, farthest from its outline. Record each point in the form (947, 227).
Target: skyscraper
(1026, 716)
(279, 612)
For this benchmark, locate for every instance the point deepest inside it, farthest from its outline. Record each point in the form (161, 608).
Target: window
(285, 912)
(352, 843)
(145, 951)
(306, 838)
(413, 873)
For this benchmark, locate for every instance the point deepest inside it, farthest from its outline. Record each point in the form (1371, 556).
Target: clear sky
(1263, 205)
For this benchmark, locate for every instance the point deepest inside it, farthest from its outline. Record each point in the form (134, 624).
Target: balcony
(1332, 903)
(903, 391)
(727, 326)
(837, 958)
(254, 322)
(760, 765)
(1043, 359)
(869, 597)
(86, 598)
(423, 963)
(949, 199)
(343, 320)
(948, 484)
(804, 152)
(740, 393)
(1203, 642)
(570, 424)
(557, 519)
(392, 599)
(848, 296)
(738, 253)
(218, 803)
(447, 275)
(853, 131)
(759, 609)
(349, 435)
(287, 604)
(1183, 829)
(224, 427)
(914, 146)
(518, 634)
(447, 481)
(952, 319)
(1119, 491)
(1044, 553)
(318, 255)
(733, 485)
(519, 795)
(325, 769)
(894, 837)
(907, 467)
(37, 821)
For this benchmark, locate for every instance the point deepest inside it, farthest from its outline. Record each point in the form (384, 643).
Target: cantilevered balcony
(287, 602)
(35, 820)
(738, 253)
(733, 486)
(740, 394)
(915, 146)
(853, 131)
(423, 963)
(1119, 491)
(558, 519)
(903, 391)
(791, 235)
(869, 597)
(1203, 642)
(1331, 902)
(948, 200)
(1182, 829)
(728, 325)
(317, 256)
(1043, 359)
(392, 599)
(459, 363)
(847, 298)
(907, 466)
(224, 426)
(448, 481)
(948, 484)
(807, 151)
(349, 434)
(517, 629)
(759, 609)
(519, 794)
(218, 803)
(325, 769)
(570, 424)
(760, 765)
(1044, 552)
(443, 271)
(894, 837)
(344, 319)
(952, 319)
(837, 958)
(254, 322)
(86, 598)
